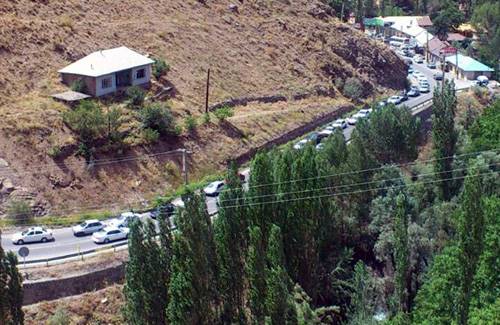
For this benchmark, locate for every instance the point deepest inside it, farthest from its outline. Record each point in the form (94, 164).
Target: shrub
(135, 95)
(150, 135)
(206, 118)
(54, 151)
(160, 67)
(79, 86)
(353, 88)
(178, 130)
(60, 317)
(157, 116)
(223, 113)
(87, 120)
(339, 83)
(20, 212)
(190, 123)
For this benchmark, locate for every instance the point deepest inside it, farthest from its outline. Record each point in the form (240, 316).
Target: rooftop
(424, 21)
(436, 45)
(107, 61)
(467, 63)
(409, 26)
(455, 37)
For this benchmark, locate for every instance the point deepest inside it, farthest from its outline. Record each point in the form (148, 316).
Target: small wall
(104, 91)
(147, 75)
(37, 291)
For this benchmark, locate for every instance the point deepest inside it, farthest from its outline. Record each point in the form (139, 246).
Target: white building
(408, 26)
(107, 71)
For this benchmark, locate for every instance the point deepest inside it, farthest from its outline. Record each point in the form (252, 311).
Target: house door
(123, 78)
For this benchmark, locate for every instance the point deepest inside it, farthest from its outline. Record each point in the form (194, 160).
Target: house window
(139, 74)
(106, 83)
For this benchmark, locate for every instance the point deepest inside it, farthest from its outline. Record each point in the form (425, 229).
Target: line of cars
(316, 138)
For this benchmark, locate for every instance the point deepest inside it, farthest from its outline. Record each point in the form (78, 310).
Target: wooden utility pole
(184, 167)
(207, 92)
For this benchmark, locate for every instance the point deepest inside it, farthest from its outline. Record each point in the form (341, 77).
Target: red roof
(436, 45)
(424, 21)
(455, 37)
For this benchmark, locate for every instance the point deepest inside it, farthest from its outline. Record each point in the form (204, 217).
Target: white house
(107, 71)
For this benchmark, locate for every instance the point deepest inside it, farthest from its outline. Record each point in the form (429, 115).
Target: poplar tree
(444, 137)
(15, 290)
(194, 269)
(4, 303)
(256, 274)
(277, 298)
(471, 227)
(401, 252)
(230, 228)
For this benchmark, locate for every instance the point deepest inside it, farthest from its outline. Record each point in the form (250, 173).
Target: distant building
(424, 22)
(455, 37)
(107, 71)
(407, 26)
(434, 49)
(467, 68)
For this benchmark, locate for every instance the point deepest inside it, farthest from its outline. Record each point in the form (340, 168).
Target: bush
(20, 212)
(150, 135)
(160, 67)
(206, 118)
(339, 83)
(190, 123)
(223, 113)
(60, 317)
(87, 120)
(136, 96)
(54, 151)
(157, 116)
(79, 86)
(353, 88)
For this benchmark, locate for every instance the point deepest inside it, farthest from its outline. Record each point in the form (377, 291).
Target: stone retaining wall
(37, 291)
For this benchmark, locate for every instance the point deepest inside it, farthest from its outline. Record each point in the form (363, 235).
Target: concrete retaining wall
(37, 291)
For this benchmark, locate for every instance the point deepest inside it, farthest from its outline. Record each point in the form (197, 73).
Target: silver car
(110, 234)
(87, 227)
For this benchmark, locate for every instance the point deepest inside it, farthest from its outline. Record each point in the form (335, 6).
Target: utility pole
(184, 164)
(208, 89)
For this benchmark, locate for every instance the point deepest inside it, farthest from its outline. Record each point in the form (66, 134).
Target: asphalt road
(66, 243)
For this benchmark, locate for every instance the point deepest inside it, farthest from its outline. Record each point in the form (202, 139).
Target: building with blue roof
(468, 68)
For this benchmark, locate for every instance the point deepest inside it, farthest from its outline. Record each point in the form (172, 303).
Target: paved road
(66, 243)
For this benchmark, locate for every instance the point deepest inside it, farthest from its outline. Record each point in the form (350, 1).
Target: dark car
(438, 76)
(403, 96)
(167, 209)
(313, 137)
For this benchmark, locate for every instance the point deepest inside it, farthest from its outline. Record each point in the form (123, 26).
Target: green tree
(277, 282)
(160, 67)
(470, 232)
(394, 128)
(485, 132)
(353, 88)
(444, 137)
(230, 238)
(136, 96)
(113, 124)
(157, 116)
(15, 290)
(362, 296)
(449, 18)
(486, 21)
(256, 274)
(401, 253)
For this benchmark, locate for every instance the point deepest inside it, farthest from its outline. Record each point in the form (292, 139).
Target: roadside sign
(448, 50)
(23, 252)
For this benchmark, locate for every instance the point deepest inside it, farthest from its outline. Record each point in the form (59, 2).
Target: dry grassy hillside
(262, 48)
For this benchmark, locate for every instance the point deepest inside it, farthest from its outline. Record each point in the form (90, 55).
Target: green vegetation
(353, 88)
(485, 132)
(136, 96)
(447, 19)
(157, 116)
(60, 317)
(486, 20)
(150, 136)
(19, 212)
(79, 86)
(223, 113)
(11, 290)
(160, 68)
(190, 123)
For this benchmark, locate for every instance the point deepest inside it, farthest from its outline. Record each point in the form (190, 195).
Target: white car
(339, 124)
(320, 146)
(87, 227)
(394, 100)
(418, 59)
(124, 220)
(424, 89)
(417, 74)
(32, 235)
(301, 144)
(359, 115)
(214, 188)
(110, 234)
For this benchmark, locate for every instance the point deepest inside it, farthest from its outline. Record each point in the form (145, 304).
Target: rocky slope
(291, 49)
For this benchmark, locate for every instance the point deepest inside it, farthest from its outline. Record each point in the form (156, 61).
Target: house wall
(147, 75)
(104, 91)
(472, 75)
(68, 79)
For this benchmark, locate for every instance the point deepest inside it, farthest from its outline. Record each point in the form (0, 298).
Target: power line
(367, 170)
(350, 185)
(352, 192)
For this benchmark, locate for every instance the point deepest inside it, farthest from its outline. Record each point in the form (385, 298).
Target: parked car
(414, 92)
(410, 70)
(424, 89)
(324, 134)
(301, 144)
(124, 220)
(110, 234)
(422, 79)
(214, 188)
(403, 96)
(320, 146)
(431, 65)
(313, 137)
(339, 124)
(418, 59)
(381, 104)
(359, 115)
(417, 74)
(167, 209)
(87, 227)
(394, 100)
(438, 76)
(32, 235)
(482, 81)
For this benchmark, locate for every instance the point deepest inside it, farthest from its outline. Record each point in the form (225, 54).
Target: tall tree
(194, 266)
(277, 282)
(4, 303)
(256, 274)
(471, 232)
(444, 137)
(15, 290)
(230, 228)
(401, 254)
(486, 20)
(362, 296)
